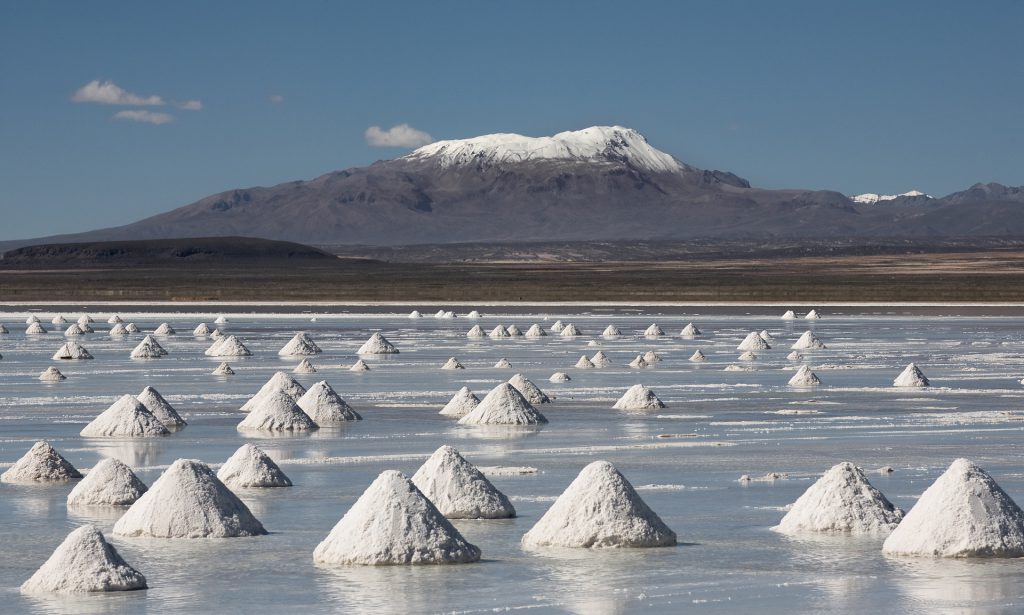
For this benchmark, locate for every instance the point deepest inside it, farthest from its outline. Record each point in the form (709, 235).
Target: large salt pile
(73, 330)
(558, 377)
(280, 381)
(804, 377)
(529, 390)
(160, 408)
(85, 562)
(600, 359)
(513, 331)
(690, 330)
(611, 331)
(808, 341)
(812, 315)
(964, 513)
(653, 331)
(452, 363)
(125, 418)
(223, 370)
(570, 330)
(458, 489)
(503, 364)
(841, 501)
(304, 367)
(188, 501)
(118, 329)
(753, 341)
(148, 348)
(276, 411)
(911, 377)
(323, 404)
(476, 331)
(71, 351)
(300, 345)
(202, 330)
(584, 363)
(165, 329)
(250, 467)
(639, 362)
(461, 404)
(35, 329)
(499, 331)
(359, 366)
(393, 523)
(535, 330)
(789, 315)
(698, 356)
(504, 405)
(377, 344)
(557, 327)
(638, 397)
(109, 483)
(58, 320)
(42, 463)
(228, 346)
(415, 314)
(52, 374)
(599, 509)
(114, 319)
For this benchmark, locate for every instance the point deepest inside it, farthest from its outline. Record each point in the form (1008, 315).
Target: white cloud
(109, 93)
(276, 99)
(402, 135)
(146, 117)
(191, 105)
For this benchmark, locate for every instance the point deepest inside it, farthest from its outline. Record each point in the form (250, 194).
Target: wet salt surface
(685, 459)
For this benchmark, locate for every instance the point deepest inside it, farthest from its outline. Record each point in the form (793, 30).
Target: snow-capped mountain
(870, 198)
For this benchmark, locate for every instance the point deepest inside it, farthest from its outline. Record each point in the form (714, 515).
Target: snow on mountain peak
(870, 198)
(597, 143)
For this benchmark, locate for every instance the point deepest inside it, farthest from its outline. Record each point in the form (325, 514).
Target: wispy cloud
(191, 105)
(276, 99)
(109, 93)
(145, 117)
(402, 135)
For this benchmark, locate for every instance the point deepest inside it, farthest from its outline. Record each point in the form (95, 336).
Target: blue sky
(851, 96)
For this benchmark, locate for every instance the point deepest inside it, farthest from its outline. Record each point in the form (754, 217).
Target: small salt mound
(690, 330)
(165, 329)
(85, 328)
(593, 344)
(71, 351)
(304, 367)
(639, 362)
(476, 332)
(415, 314)
(223, 370)
(42, 463)
(600, 509)
(323, 404)
(4, 330)
(35, 329)
(473, 314)
(58, 320)
(32, 319)
(250, 467)
(503, 363)
(114, 319)
(74, 329)
(841, 501)
(188, 501)
(202, 330)
(300, 345)
(85, 562)
(795, 356)
(535, 330)
(85, 319)
(148, 348)
(557, 327)
(653, 331)
(570, 330)
(698, 356)
(220, 320)
(458, 489)
(499, 331)
(964, 513)
(638, 397)
(768, 337)
(804, 377)
(789, 315)
(439, 314)
(753, 341)
(109, 483)
(911, 377)
(52, 374)
(280, 381)
(611, 331)
(276, 411)
(600, 359)
(377, 344)
(216, 334)
(453, 363)
(747, 356)
(584, 363)
(808, 341)
(393, 523)
(652, 357)
(461, 404)
(131, 328)
(812, 315)
(529, 390)
(359, 366)
(734, 368)
(160, 408)
(125, 418)
(513, 331)
(559, 377)
(504, 405)
(449, 314)
(118, 329)
(229, 346)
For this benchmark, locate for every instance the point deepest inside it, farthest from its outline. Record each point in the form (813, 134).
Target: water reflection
(133, 453)
(378, 590)
(968, 585)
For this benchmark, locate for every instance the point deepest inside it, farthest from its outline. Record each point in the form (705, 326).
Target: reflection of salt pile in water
(393, 523)
(499, 332)
(85, 562)
(599, 509)
(300, 345)
(911, 377)
(804, 377)
(503, 364)
(808, 341)
(359, 366)
(652, 357)
(276, 411)
(795, 356)
(748, 356)
(453, 363)
(611, 331)
(698, 356)
(476, 331)
(841, 501)
(125, 418)
(639, 362)
(558, 377)
(557, 327)
(323, 404)
(964, 513)
(638, 397)
(689, 331)
(35, 329)
(415, 314)
(202, 330)
(304, 367)
(461, 404)
(535, 330)
(654, 331)
(377, 344)
(513, 331)
(165, 329)
(109, 483)
(71, 351)
(250, 467)
(600, 359)
(188, 501)
(228, 346)
(812, 315)
(458, 489)
(223, 370)
(160, 408)
(42, 463)
(148, 348)
(570, 330)
(73, 330)
(529, 390)
(753, 341)
(504, 405)
(52, 374)
(118, 329)
(789, 315)
(58, 320)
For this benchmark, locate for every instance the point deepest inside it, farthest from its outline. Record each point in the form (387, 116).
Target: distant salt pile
(323, 404)
(503, 363)
(148, 348)
(84, 563)
(535, 330)
(652, 357)
(558, 377)
(753, 341)
(639, 362)
(808, 341)
(461, 404)
(600, 359)
(734, 368)
(300, 345)
(131, 328)
(58, 320)
(766, 336)
(611, 331)
(228, 346)
(41, 464)
(415, 314)
(86, 328)
(216, 334)
(4, 330)
(280, 381)
(458, 489)
(529, 390)
(85, 319)
(223, 370)
(638, 397)
(557, 327)
(584, 363)
(570, 330)
(453, 363)
(600, 509)
(911, 377)
(964, 513)
(393, 523)
(114, 319)
(473, 314)
(220, 320)
(125, 418)
(32, 320)
(449, 314)
(377, 344)
(841, 501)
(804, 377)
(504, 405)
(439, 314)
(653, 331)
(109, 483)
(164, 329)
(304, 367)
(748, 356)
(698, 356)
(276, 411)
(52, 374)
(476, 331)
(812, 315)
(74, 329)
(35, 329)
(689, 331)
(789, 315)
(119, 330)
(513, 331)
(795, 356)
(71, 351)
(188, 501)
(160, 408)
(499, 332)
(202, 330)
(359, 366)
(249, 467)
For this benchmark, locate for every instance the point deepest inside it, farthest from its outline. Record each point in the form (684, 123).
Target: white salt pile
(216, 334)
(804, 377)
(498, 332)
(280, 381)
(841, 501)
(570, 330)
(74, 329)
(529, 390)
(753, 341)
(188, 501)
(449, 314)
(131, 328)
(458, 489)
(220, 320)
(584, 363)
(52, 374)
(766, 336)
(439, 314)
(513, 331)
(32, 320)
(118, 329)
(323, 404)
(393, 523)
(415, 314)
(4, 330)
(535, 330)
(557, 327)
(223, 370)
(304, 367)
(300, 345)
(504, 405)
(473, 314)
(58, 320)
(165, 329)
(359, 366)
(653, 331)
(249, 467)
(228, 346)
(71, 351)
(377, 344)
(789, 315)
(747, 356)
(35, 329)
(114, 319)
(964, 513)
(808, 341)
(600, 509)
(125, 418)
(109, 483)
(812, 315)
(276, 411)
(911, 377)
(611, 331)
(85, 319)
(639, 362)
(795, 356)
(42, 463)
(461, 404)
(638, 397)
(600, 359)
(503, 363)
(476, 331)
(84, 563)
(85, 328)
(148, 348)
(453, 363)
(734, 368)
(160, 408)
(698, 356)
(558, 377)
(652, 357)
(690, 330)
(202, 330)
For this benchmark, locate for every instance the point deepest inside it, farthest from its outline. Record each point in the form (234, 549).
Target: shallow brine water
(684, 459)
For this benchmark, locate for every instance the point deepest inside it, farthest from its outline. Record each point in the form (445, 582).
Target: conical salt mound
(638, 397)
(439, 314)
(216, 334)
(473, 314)
(85, 562)
(529, 390)
(73, 330)
(557, 327)
(536, 331)
(85, 328)
(125, 418)
(504, 405)
(323, 404)
(558, 377)
(58, 320)
(202, 330)
(304, 367)
(795, 356)
(250, 467)
(114, 319)
(223, 370)
(841, 501)
(461, 404)
(32, 320)
(513, 331)
(804, 377)
(600, 359)
(458, 489)
(4, 330)
(300, 345)
(165, 329)
(359, 366)
(148, 348)
(131, 328)
(753, 341)
(220, 321)
(503, 364)
(964, 513)
(71, 351)
(52, 374)
(690, 331)
(698, 356)
(911, 377)
(639, 362)
(280, 381)
(611, 331)
(393, 523)
(228, 346)
(789, 315)
(452, 363)
(160, 408)
(584, 363)
(652, 357)
(35, 329)
(654, 331)
(570, 330)
(808, 341)
(748, 356)
(415, 314)
(42, 463)
(118, 329)
(109, 483)
(276, 411)
(188, 501)
(85, 319)
(766, 336)
(476, 332)
(812, 315)
(599, 509)
(377, 344)
(499, 331)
